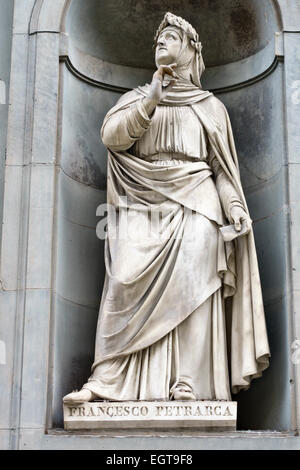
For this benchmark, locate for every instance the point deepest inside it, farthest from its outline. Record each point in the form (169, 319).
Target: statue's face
(168, 46)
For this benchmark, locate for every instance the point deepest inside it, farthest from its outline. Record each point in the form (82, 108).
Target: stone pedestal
(189, 415)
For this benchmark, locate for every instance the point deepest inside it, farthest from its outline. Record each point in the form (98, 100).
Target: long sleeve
(123, 128)
(227, 193)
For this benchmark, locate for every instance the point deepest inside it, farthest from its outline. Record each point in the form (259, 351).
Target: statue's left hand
(239, 218)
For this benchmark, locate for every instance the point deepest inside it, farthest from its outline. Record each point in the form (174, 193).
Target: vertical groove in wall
(294, 376)
(289, 290)
(54, 250)
(23, 242)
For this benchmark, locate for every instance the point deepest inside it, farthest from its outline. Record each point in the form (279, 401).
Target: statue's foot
(75, 398)
(182, 394)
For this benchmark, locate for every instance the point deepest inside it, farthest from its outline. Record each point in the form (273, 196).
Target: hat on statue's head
(193, 38)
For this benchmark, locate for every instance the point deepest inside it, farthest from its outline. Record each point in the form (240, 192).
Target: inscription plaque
(151, 414)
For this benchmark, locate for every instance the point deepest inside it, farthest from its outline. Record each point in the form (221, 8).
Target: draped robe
(162, 321)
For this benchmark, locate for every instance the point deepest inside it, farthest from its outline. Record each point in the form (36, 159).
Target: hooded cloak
(135, 312)
(140, 302)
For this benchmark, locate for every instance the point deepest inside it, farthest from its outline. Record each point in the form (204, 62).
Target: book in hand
(230, 233)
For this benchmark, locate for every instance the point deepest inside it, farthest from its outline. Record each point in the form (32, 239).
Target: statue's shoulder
(134, 95)
(214, 105)
(215, 109)
(123, 102)
(128, 97)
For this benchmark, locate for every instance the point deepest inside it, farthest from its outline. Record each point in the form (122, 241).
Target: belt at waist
(171, 158)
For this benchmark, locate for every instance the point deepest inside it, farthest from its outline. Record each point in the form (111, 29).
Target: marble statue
(163, 331)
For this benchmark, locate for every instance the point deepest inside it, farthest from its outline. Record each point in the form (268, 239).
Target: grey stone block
(258, 129)
(39, 262)
(4, 439)
(74, 341)
(7, 338)
(12, 218)
(269, 197)
(35, 358)
(292, 89)
(294, 189)
(78, 202)
(80, 264)
(17, 108)
(46, 99)
(271, 243)
(84, 157)
(267, 405)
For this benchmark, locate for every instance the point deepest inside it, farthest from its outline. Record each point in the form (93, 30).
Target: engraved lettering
(198, 411)
(110, 411)
(227, 412)
(187, 411)
(72, 410)
(91, 412)
(100, 410)
(144, 410)
(209, 410)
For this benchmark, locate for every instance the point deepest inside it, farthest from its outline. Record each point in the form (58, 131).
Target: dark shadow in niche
(112, 29)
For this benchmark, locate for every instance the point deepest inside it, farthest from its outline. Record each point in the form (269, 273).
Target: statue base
(188, 415)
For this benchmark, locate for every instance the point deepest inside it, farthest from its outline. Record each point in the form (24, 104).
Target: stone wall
(6, 20)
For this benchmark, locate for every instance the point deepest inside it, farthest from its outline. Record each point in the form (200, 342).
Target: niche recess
(108, 51)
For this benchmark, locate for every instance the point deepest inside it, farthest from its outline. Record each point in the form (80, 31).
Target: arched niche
(106, 50)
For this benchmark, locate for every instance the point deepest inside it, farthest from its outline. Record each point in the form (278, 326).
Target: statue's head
(176, 41)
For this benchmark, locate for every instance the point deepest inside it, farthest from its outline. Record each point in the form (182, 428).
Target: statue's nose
(161, 41)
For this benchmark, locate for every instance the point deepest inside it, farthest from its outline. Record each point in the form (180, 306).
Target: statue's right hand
(157, 90)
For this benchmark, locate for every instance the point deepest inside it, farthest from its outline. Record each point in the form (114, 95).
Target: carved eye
(171, 36)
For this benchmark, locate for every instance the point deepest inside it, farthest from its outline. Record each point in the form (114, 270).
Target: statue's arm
(231, 201)
(124, 127)
(227, 193)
